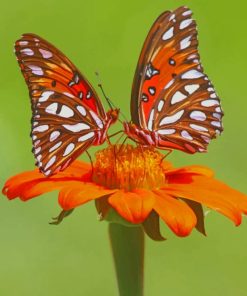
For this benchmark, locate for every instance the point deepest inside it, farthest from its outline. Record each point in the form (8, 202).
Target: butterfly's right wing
(171, 95)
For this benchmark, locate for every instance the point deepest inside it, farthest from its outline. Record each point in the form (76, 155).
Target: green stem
(128, 253)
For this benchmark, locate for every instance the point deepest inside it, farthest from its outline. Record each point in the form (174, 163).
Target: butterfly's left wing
(171, 95)
(68, 116)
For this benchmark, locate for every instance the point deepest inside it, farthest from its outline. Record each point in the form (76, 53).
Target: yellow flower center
(127, 167)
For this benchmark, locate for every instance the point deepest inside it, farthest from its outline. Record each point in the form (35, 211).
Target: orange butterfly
(68, 116)
(173, 103)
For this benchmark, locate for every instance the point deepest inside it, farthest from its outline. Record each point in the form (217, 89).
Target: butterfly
(67, 115)
(173, 103)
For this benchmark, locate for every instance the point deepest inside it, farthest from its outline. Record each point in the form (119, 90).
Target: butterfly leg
(169, 152)
(108, 137)
(119, 139)
(91, 161)
(126, 138)
(115, 134)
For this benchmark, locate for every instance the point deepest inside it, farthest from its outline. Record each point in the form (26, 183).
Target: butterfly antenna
(110, 103)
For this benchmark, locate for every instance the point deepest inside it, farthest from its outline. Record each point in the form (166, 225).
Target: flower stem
(128, 253)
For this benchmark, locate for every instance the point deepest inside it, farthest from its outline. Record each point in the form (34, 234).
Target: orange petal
(185, 175)
(77, 193)
(29, 184)
(176, 214)
(133, 206)
(214, 194)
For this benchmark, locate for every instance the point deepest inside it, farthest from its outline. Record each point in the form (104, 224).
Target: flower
(140, 186)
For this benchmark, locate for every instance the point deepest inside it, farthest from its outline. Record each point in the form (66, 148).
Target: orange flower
(140, 187)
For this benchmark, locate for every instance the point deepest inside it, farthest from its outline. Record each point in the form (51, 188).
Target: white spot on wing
(36, 143)
(177, 97)
(192, 74)
(185, 23)
(198, 115)
(82, 110)
(69, 149)
(50, 162)
(198, 128)
(76, 127)
(41, 128)
(209, 103)
(210, 89)
(186, 135)
(86, 137)
(52, 108)
(54, 135)
(97, 119)
(185, 42)
(206, 139)
(217, 115)
(66, 112)
(218, 109)
(45, 53)
(160, 105)
(213, 95)
(216, 123)
(27, 51)
(55, 146)
(168, 34)
(191, 88)
(45, 96)
(151, 120)
(37, 150)
(68, 94)
(172, 118)
(169, 84)
(23, 42)
(36, 70)
(168, 131)
(192, 56)
(187, 12)
(172, 17)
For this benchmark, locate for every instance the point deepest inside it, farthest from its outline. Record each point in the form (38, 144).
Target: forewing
(44, 67)
(169, 49)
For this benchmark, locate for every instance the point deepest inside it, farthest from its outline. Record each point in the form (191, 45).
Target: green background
(74, 258)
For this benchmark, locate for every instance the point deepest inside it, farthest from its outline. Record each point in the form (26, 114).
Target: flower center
(127, 167)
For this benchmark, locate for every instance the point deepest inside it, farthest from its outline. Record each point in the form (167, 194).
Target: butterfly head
(130, 126)
(131, 130)
(113, 115)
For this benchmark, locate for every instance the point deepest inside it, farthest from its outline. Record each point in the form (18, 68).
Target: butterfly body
(173, 103)
(101, 134)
